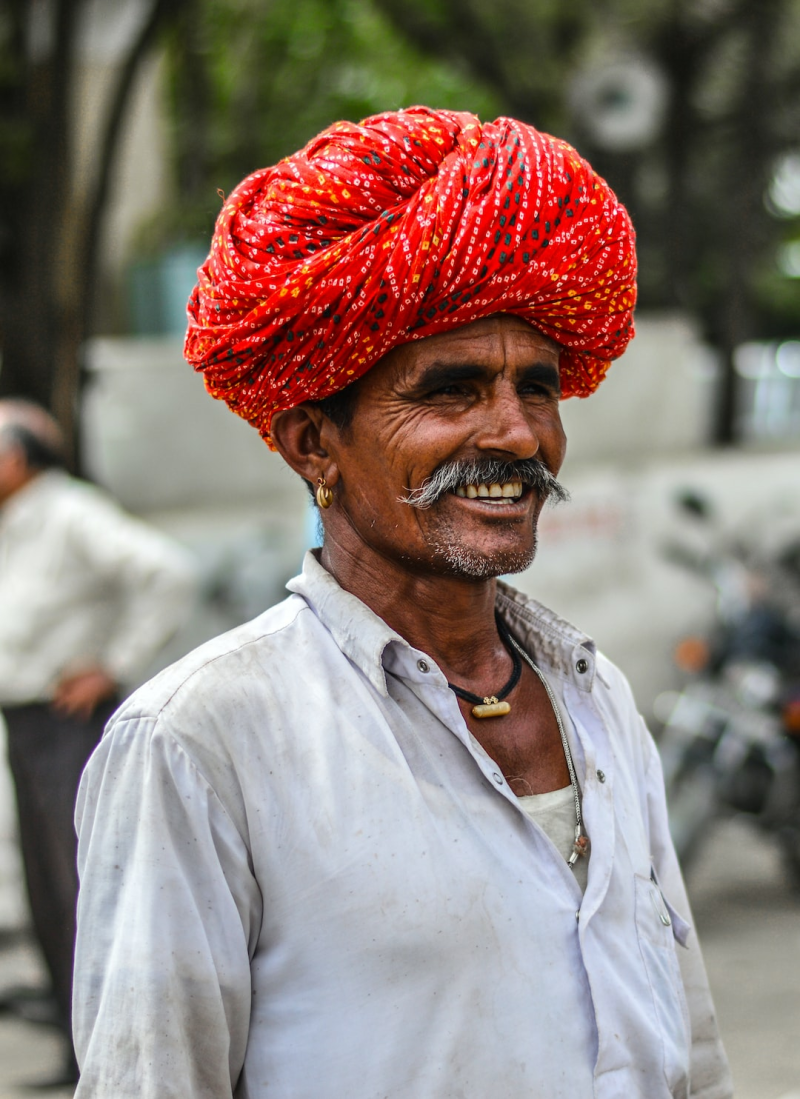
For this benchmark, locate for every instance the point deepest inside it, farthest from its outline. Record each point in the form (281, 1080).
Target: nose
(505, 425)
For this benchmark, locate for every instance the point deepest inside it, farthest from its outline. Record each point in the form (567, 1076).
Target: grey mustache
(485, 471)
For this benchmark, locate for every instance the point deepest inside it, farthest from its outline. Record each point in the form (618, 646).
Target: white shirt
(302, 878)
(81, 582)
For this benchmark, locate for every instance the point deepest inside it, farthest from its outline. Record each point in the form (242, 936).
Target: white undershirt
(554, 812)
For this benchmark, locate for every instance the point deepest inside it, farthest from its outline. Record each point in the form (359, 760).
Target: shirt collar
(555, 644)
(360, 634)
(363, 637)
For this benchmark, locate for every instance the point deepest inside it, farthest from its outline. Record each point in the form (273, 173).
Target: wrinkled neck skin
(450, 618)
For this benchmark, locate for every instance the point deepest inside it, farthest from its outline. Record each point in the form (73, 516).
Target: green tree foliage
(252, 81)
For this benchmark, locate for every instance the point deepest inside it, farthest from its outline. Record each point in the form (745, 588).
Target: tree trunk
(751, 157)
(46, 298)
(30, 294)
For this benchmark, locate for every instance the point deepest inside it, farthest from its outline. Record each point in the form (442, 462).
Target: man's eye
(454, 390)
(536, 389)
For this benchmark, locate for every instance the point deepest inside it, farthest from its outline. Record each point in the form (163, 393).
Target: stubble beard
(451, 553)
(462, 561)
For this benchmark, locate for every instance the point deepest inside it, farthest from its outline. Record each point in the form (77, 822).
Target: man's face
(487, 391)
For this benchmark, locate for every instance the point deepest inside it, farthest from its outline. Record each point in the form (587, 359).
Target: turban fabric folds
(406, 225)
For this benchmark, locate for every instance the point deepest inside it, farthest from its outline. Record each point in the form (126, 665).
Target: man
(87, 597)
(404, 834)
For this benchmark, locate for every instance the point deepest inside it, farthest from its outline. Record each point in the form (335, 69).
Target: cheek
(413, 441)
(562, 448)
(553, 442)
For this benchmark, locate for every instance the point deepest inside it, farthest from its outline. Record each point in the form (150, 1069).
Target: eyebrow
(439, 374)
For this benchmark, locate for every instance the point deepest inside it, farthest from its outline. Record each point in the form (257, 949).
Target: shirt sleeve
(152, 577)
(710, 1074)
(168, 915)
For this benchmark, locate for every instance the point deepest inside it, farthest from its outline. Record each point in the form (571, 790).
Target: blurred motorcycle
(730, 740)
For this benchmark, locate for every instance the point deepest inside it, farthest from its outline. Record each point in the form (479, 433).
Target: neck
(450, 618)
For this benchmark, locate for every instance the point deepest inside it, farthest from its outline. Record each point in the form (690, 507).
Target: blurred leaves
(253, 80)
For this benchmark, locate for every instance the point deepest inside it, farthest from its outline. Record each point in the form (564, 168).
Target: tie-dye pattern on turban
(406, 225)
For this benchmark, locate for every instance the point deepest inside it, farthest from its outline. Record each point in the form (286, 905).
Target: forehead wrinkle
(479, 350)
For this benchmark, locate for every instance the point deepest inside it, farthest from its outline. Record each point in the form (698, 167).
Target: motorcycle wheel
(692, 805)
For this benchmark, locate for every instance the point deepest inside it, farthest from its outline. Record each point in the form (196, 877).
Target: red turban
(408, 224)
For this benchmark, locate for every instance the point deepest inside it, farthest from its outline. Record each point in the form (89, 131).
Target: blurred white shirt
(81, 582)
(302, 877)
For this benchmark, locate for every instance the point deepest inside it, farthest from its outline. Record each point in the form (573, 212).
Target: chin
(470, 563)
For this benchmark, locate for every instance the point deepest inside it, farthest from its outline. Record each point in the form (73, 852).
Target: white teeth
(510, 490)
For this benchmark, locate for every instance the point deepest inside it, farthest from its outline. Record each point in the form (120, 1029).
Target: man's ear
(298, 437)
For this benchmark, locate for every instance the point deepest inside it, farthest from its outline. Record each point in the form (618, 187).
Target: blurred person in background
(88, 595)
(344, 850)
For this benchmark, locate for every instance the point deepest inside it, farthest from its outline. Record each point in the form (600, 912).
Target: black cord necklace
(493, 705)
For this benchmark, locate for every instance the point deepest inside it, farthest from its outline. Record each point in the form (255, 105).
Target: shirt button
(423, 665)
(498, 778)
(601, 776)
(582, 666)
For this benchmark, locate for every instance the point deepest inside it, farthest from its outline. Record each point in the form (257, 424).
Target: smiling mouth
(510, 490)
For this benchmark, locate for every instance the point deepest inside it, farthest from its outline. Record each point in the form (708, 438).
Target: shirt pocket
(658, 927)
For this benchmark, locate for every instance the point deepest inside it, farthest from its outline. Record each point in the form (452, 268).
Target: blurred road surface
(749, 922)
(30, 1053)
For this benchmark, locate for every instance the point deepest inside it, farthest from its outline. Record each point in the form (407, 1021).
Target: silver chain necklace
(580, 846)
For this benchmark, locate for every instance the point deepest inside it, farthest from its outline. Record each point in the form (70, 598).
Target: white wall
(155, 438)
(656, 399)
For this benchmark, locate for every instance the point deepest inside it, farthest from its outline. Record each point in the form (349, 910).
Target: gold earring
(324, 493)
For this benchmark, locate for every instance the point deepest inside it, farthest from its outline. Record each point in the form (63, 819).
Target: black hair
(39, 453)
(340, 408)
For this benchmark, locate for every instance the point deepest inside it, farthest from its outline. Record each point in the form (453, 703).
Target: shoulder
(74, 507)
(240, 693)
(72, 493)
(220, 709)
(53, 498)
(256, 656)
